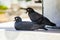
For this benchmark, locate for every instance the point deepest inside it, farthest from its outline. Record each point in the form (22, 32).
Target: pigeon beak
(24, 9)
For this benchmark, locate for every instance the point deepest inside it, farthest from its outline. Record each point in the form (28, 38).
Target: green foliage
(2, 12)
(2, 7)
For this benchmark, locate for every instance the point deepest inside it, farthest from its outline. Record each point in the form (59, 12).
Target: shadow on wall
(58, 5)
(58, 11)
(52, 10)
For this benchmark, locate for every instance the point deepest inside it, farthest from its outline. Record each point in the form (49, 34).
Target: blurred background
(11, 8)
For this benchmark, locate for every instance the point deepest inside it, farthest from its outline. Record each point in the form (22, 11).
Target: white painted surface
(52, 10)
(29, 35)
(8, 32)
(7, 25)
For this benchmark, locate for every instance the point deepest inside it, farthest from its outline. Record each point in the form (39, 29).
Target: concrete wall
(52, 10)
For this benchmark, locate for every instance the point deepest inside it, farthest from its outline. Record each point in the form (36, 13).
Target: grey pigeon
(38, 18)
(23, 25)
(26, 25)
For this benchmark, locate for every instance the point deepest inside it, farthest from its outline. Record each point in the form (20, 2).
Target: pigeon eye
(28, 9)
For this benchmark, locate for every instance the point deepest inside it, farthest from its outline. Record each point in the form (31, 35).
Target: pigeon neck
(31, 12)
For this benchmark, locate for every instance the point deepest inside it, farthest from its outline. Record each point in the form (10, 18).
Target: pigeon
(38, 18)
(18, 19)
(26, 25)
(23, 25)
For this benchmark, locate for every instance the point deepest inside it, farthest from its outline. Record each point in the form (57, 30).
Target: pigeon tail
(52, 24)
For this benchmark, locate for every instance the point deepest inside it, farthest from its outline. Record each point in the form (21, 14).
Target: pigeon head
(29, 10)
(18, 19)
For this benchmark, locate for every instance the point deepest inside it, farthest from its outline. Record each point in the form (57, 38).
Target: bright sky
(5, 2)
(8, 2)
